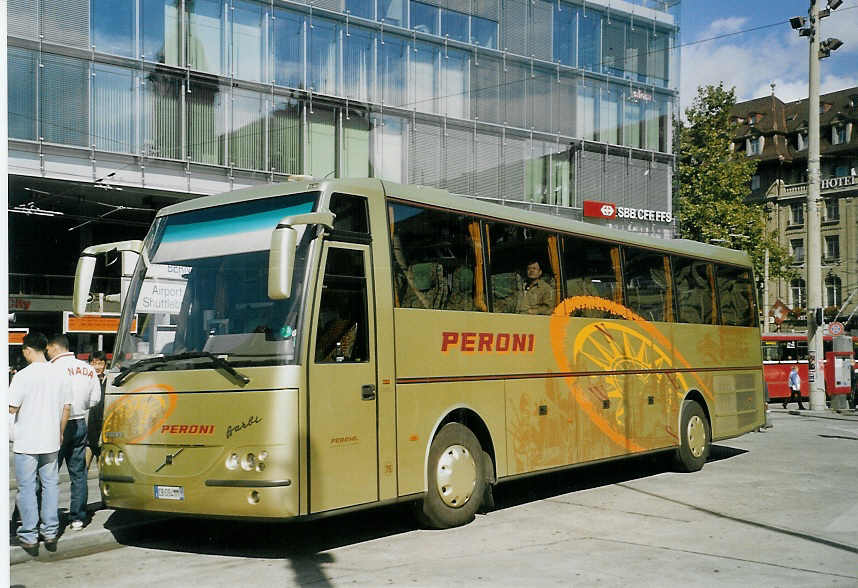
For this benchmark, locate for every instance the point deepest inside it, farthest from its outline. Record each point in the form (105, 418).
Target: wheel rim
(456, 476)
(696, 436)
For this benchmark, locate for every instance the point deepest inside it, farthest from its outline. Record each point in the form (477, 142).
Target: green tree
(714, 185)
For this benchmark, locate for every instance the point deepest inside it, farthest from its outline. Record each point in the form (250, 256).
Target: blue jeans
(73, 453)
(27, 466)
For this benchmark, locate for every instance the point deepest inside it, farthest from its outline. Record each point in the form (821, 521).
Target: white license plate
(170, 492)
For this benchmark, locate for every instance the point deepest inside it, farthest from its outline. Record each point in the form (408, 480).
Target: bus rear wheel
(456, 480)
(694, 438)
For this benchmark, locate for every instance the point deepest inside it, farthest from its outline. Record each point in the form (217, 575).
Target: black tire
(453, 498)
(695, 436)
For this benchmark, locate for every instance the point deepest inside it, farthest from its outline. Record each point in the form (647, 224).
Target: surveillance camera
(797, 22)
(834, 4)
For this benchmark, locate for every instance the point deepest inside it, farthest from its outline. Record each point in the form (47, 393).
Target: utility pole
(815, 375)
(766, 293)
(818, 50)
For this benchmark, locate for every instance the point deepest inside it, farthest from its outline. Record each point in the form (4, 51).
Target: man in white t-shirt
(86, 392)
(40, 400)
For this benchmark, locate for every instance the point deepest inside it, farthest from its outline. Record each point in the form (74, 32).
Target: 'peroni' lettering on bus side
(473, 342)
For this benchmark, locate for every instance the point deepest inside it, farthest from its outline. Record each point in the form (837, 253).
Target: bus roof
(443, 199)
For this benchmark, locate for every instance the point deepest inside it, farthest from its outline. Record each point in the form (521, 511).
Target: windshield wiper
(145, 365)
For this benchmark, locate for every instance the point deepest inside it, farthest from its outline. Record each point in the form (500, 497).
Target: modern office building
(775, 134)
(118, 108)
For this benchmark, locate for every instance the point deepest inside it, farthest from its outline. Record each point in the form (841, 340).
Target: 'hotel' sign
(838, 182)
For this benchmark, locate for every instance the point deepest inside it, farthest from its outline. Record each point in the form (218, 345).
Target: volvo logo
(168, 459)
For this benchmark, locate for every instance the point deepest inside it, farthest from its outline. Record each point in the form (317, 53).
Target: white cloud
(751, 61)
(725, 25)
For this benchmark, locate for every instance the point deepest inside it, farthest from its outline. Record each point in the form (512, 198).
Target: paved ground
(770, 509)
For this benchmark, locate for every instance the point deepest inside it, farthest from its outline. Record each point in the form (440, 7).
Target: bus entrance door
(342, 382)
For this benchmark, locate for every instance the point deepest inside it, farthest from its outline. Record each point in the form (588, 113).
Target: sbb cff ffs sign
(609, 210)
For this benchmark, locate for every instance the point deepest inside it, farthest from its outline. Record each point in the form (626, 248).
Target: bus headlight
(248, 462)
(108, 459)
(120, 457)
(232, 461)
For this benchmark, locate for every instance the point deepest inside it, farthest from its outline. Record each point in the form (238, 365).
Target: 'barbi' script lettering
(241, 426)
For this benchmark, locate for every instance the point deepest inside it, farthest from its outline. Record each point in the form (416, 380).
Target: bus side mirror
(281, 262)
(86, 268)
(82, 283)
(281, 258)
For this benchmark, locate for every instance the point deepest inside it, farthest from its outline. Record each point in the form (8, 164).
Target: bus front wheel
(456, 480)
(694, 438)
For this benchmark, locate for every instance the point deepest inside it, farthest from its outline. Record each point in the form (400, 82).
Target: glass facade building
(526, 101)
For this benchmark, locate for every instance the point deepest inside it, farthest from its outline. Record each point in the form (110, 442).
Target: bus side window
(590, 273)
(736, 296)
(523, 266)
(694, 293)
(647, 289)
(350, 213)
(435, 259)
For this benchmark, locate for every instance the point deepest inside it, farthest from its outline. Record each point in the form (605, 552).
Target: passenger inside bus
(537, 296)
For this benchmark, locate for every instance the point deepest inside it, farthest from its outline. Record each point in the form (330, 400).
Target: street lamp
(811, 28)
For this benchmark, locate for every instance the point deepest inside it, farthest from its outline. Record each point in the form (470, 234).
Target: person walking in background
(794, 388)
(86, 392)
(98, 361)
(40, 400)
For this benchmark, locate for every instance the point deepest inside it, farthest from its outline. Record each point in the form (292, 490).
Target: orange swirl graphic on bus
(618, 348)
(136, 415)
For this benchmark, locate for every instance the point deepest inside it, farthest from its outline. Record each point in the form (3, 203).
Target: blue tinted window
(391, 71)
(590, 24)
(248, 26)
(113, 27)
(484, 32)
(22, 94)
(322, 59)
(159, 31)
(205, 32)
(454, 24)
(424, 18)
(288, 49)
(361, 8)
(565, 20)
(391, 11)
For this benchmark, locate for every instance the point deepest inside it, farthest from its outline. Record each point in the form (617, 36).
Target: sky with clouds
(750, 60)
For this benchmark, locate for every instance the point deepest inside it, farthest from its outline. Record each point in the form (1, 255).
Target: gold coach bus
(311, 347)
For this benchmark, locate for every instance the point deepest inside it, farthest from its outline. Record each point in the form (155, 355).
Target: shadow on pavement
(552, 484)
(839, 437)
(303, 543)
(306, 543)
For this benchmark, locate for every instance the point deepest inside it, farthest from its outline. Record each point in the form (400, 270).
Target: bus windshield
(200, 289)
